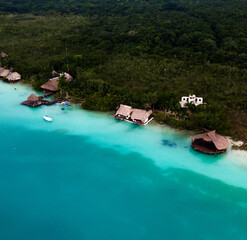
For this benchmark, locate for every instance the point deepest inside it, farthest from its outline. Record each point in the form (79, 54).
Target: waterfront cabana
(210, 143)
(33, 98)
(4, 73)
(33, 101)
(141, 117)
(51, 85)
(123, 112)
(13, 77)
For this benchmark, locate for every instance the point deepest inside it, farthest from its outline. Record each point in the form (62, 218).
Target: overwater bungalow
(141, 117)
(33, 101)
(13, 77)
(123, 112)
(33, 98)
(4, 73)
(210, 143)
(51, 85)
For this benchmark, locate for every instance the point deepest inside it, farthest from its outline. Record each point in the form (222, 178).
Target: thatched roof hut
(210, 143)
(67, 76)
(140, 116)
(4, 73)
(51, 85)
(14, 76)
(1, 69)
(123, 112)
(33, 98)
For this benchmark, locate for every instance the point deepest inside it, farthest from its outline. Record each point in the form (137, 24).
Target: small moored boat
(48, 119)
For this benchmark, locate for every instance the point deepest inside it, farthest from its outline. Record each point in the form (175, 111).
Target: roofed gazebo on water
(123, 112)
(13, 77)
(133, 115)
(33, 100)
(4, 73)
(210, 143)
(140, 116)
(9, 76)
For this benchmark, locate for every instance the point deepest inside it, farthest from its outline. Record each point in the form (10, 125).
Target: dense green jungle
(143, 53)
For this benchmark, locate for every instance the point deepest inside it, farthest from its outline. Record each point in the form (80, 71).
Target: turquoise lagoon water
(88, 176)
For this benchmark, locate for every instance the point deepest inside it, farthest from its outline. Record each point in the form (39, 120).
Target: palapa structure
(33, 101)
(123, 112)
(210, 143)
(51, 85)
(141, 117)
(33, 98)
(13, 77)
(4, 73)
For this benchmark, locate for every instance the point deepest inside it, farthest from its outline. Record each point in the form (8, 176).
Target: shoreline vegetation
(145, 54)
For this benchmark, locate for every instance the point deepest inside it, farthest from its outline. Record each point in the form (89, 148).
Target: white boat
(48, 119)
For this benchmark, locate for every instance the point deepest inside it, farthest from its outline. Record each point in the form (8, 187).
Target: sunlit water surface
(89, 176)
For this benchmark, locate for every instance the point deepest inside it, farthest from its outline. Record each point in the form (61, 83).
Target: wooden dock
(40, 103)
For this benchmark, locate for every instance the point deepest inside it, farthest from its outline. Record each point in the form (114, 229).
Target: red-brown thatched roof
(51, 85)
(141, 115)
(33, 98)
(4, 73)
(124, 110)
(220, 142)
(15, 76)
(68, 77)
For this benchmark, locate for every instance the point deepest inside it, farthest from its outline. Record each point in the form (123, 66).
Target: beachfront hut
(141, 117)
(13, 77)
(210, 143)
(67, 76)
(51, 85)
(123, 112)
(4, 73)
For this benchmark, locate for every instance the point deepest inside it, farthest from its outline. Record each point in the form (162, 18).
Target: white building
(191, 99)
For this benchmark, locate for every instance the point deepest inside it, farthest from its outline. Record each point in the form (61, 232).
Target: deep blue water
(87, 176)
